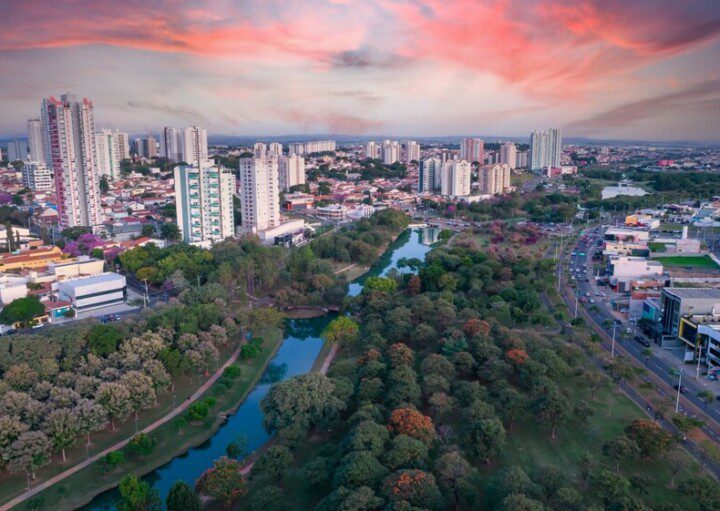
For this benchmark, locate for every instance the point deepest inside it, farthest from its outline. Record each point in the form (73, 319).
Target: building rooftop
(694, 293)
(95, 279)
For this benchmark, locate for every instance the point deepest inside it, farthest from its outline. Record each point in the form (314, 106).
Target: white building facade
(35, 143)
(545, 148)
(291, 171)
(456, 178)
(37, 176)
(259, 194)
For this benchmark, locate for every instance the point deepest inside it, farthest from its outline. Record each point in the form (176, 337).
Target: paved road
(56, 479)
(690, 403)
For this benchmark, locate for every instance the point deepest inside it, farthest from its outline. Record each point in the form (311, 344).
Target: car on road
(642, 341)
(683, 389)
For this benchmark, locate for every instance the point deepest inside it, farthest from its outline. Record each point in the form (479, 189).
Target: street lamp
(612, 349)
(678, 373)
(577, 294)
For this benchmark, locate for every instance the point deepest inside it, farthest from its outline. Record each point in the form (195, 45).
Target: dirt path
(62, 475)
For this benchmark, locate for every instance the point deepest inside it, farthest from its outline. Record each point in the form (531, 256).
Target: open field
(79, 488)
(702, 262)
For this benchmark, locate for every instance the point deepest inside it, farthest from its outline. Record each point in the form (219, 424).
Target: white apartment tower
(412, 151)
(110, 146)
(508, 154)
(472, 150)
(204, 202)
(296, 148)
(194, 146)
(122, 141)
(259, 150)
(35, 142)
(171, 144)
(70, 128)
(275, 149)
(390, 152)
(37, 176)
(494, 179)
(545, 149)
(259, 194)
(430, 175)
(456, 178)
(372, 150)
(291, 171)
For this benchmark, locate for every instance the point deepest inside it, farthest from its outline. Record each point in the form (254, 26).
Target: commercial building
(494, 179)
(677, 303)
(472, 150)
(194, 146)
(508, 154)
(259, 194)
(37, 176)
(411, 151)
(204, 202)
(430, 175)
(626, 267)
(94, 292)
(390, 152)
(334, 213)
(69, 125)
(456, 178)
(12, 287)
(291, 171)
(545, 149)
(35, 142)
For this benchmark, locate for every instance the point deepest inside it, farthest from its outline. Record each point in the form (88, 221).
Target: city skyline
(622, 70)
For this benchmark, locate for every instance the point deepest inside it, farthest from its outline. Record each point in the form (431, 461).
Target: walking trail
(92, 459)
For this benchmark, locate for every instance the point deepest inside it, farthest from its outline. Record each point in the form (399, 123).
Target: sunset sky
(641, 69)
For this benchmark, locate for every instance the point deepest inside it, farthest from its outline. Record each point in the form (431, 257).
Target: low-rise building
(94, 292)
(679, 302)
(33, 257)
(12, 287)
(333, 213)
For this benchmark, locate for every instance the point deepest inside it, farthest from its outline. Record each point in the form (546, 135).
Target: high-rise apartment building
(171, 142)
(411, 151)
(259, 194)
(291, 171)
(472, 150)
(37, 176)
(194, 146)
(259, 150)
(70, 128)
(275, 149)
(494, 179)
(545, 148)
(35, 142)
(430, 175)
(456, 178)
(319, 146)
(146, 147)
(390, 152)
(508, 154)
(296, 148)
(17, 150)
(521, 161)
(122, 141)
(372, 150)
(109, 148)
(204, 202)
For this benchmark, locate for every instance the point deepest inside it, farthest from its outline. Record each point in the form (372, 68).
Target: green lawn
(79, 488)
(701, 262)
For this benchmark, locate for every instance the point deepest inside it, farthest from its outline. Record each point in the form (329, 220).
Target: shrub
(249, 351)
(111, 461)
(219, 389)
(198, 411)
(232, 372)
(141, 444)
(210, 402)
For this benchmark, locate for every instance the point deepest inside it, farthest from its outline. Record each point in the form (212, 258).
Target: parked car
(683, 389)
(642, 341)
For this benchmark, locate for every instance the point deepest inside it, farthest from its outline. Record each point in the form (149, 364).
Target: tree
(342, 331)
(170, 231)
(406, 452)
(704, 490)
(553, 408)
(143, 393)
(182, 497)
(22, 310)
(451, 469)
(222, 482)
(116, 399)
(30, 451)
(613, 487)
(486, 438)
(380, 284)
(237, 449)
(621, 449)
(677, 460)
(416, 487)
(137, 495)
(359, 468)
(61, 427)
(104, 185)
(706, 396)
(9, 237)
(517, 502)
(273, 462)
(304, 401)
(367, 436)
(10, 430)
(647, 353)
(351, 499)
(103, 339)
(410, 422)
(267, 498)
(709, 450)
(147, 230)
(649, 436)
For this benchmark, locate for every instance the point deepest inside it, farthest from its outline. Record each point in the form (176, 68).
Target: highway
(601, 314)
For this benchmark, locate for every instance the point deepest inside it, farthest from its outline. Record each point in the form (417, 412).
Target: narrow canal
(296, 355)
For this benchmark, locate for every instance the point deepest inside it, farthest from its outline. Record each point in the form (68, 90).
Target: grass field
(699, 262)
(79, 488)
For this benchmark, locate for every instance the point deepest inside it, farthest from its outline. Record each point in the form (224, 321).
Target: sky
(624, 69)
